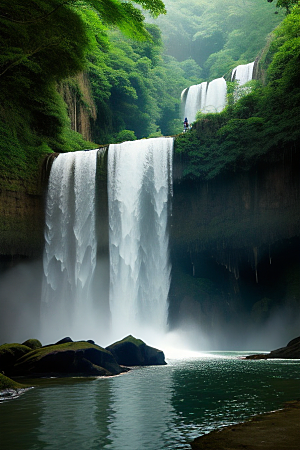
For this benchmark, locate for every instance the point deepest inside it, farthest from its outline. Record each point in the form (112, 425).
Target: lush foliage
(287, 4)
(135, 85)
(42, 43)
(261, 125)
(135, 88)
(218, 34)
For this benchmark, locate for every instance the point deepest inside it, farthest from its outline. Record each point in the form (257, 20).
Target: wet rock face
(134, 352)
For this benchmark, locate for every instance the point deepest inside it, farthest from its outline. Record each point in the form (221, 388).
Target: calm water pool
(149, 408)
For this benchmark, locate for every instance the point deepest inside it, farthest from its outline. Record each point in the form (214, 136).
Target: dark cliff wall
(238, 210)
(235, 244)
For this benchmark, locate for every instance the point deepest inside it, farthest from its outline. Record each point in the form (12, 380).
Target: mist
(20, 319)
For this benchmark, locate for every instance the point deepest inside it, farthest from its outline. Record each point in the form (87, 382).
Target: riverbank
(278, 430)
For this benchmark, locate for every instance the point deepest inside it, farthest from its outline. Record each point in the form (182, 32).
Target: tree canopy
(43, 42)
(262, 126)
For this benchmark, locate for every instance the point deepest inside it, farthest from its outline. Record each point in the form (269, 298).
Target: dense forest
(102, 61)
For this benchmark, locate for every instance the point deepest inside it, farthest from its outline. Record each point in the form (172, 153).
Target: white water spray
(140, 184)
(70, 246)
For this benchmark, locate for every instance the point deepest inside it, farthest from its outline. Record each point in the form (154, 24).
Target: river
(148, 408)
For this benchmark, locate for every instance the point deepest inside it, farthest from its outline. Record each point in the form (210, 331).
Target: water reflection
(142, 412)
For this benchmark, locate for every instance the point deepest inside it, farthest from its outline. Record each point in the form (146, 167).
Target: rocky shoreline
(278, 430)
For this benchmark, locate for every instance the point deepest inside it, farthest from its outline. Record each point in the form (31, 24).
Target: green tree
(43, 42)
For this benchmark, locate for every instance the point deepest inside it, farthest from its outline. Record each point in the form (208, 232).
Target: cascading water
(243, 73)
(75, 299)
(70, 246)
(195, 100)
(215, 96)
(140, 184)
(204, 97)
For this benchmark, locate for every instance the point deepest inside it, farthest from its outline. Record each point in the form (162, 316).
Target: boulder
(33, 343)
(291, 351)
(134, 352)
(68, 359)
(9, 354)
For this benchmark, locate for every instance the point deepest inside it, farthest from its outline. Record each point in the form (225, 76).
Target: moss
(16, 350)
(131, 339)
(9, 354)
(34, 344)
(36, 355)
(8, 383)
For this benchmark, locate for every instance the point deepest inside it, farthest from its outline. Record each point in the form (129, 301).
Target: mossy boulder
(9, 354)
(134, 352)
(7, 383)
(68, 359)
(33, 344)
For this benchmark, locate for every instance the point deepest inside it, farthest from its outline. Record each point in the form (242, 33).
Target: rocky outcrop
(83, 358)
(134, 352)
(67, 359)
(291, 351)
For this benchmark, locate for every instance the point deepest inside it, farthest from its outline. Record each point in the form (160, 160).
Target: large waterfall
(204, 97)
(75, 301)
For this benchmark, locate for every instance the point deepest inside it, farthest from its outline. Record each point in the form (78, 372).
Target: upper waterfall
(243, 73)
(140, 184)
(204, 97)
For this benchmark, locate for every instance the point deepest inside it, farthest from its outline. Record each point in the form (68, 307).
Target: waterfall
(194, 100)
(140, 184)
(204, 97)
(117, 201)
(243, 73)
(215, 96)
(70, 245)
